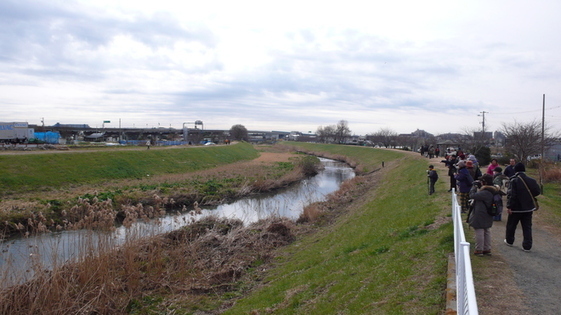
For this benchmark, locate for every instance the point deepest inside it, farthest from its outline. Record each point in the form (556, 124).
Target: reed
(208, 257)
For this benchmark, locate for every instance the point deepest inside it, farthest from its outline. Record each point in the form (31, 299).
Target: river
(21, 257)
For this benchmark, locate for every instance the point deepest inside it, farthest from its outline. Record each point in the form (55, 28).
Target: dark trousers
(525, 220)
(452, 182)
(431, 187)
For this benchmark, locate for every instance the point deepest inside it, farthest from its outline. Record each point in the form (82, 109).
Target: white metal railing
(466, 302)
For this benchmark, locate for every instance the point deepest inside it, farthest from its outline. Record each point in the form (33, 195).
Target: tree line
(522, 140)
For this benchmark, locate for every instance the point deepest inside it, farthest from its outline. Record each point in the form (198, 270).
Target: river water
(21, 257)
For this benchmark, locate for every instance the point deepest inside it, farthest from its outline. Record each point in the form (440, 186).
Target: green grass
(376, 259)
(26, 172)
(365, 155)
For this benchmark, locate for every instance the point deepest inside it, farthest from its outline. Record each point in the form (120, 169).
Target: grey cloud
(42, 34)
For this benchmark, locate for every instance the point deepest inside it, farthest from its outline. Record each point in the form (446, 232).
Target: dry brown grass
(552, 173)
(205, 258)
(321, 212)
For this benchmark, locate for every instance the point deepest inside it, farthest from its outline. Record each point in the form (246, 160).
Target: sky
(439, 66)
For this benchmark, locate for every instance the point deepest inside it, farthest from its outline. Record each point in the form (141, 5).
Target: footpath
(512, 281)
(536, 274)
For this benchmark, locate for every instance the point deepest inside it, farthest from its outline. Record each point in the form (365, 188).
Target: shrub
(552, 173)
(309, 165)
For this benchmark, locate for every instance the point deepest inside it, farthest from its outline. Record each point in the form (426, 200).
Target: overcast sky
(282, 65)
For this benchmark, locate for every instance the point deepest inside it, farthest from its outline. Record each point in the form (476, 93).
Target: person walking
(482, 193)
(465, 181)
(521, 204)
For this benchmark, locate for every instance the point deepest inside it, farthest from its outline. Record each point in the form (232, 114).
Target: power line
(525, 112)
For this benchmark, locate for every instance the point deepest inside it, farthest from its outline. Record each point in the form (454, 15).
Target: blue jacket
(464, 180)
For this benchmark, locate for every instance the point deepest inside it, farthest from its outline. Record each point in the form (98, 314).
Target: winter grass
(386, 255)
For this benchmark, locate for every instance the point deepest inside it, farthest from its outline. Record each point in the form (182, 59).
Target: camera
(477, 183)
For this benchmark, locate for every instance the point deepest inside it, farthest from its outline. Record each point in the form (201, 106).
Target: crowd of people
(476, 192)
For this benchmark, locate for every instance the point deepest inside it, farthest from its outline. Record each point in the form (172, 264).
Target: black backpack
(496, 206)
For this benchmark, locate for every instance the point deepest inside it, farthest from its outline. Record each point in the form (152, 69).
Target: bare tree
(384, 136)
(342, 131)
(334, 133)
(238, 132)
(525, 139)
(326, 134)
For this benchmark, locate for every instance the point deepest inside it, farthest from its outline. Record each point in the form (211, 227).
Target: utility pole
(542, 145)
(483, 124)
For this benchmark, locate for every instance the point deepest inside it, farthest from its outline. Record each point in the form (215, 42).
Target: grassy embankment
(30, 172)
(54, 191)
(387, 253)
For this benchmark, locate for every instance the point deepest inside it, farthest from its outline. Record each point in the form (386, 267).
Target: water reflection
(19, 257)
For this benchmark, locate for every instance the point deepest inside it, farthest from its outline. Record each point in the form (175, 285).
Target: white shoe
(507, 244)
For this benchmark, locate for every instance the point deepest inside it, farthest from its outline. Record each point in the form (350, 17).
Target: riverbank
(384, 250)
(53, 192)
(379, 245)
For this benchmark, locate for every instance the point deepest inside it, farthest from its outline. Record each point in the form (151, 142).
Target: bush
(552, 172)
(309, 165)
(483, 155)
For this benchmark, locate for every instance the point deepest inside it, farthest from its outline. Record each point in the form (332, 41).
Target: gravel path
(512, 281)
(536, 273)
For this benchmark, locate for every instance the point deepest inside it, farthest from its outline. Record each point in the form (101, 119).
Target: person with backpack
(502, 182)
(520, 204)
(433, 177)
(481, 214)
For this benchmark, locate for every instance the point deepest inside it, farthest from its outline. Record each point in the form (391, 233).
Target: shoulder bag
(534, 199)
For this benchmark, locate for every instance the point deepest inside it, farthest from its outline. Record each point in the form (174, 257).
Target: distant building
(487, 135)
(422, 134)
(500, 138)
(450, 136)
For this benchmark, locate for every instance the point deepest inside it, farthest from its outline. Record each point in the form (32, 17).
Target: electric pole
(483, 123)
(542, 145)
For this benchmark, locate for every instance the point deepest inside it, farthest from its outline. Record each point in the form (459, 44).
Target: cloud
(277, 66)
